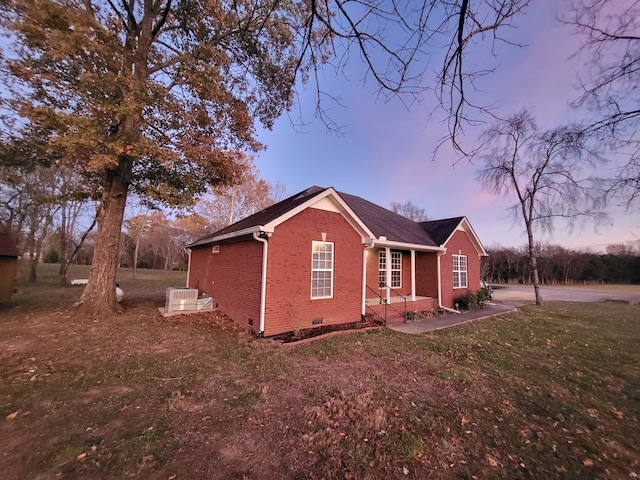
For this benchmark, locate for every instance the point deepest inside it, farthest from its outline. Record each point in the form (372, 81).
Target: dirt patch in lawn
(193, 396)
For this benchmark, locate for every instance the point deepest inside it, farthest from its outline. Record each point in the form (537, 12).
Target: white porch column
(387, 276)
(413, 275)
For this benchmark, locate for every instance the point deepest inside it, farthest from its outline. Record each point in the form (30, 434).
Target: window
(322, 270)
(459, 271)
(396, 269)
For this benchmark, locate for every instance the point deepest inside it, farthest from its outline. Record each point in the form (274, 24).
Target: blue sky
(386, 151)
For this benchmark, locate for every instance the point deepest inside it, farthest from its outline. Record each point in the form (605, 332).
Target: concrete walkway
(452, 319)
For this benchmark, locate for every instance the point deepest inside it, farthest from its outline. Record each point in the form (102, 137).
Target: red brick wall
(232, 277)
(459, 244)
(427, 274)
(289, 304)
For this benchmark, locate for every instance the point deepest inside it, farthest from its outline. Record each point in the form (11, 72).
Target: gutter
(383, 242)
(239, 233)
(263, 285)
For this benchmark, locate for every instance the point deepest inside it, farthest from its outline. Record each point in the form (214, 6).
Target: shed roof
(7, 247)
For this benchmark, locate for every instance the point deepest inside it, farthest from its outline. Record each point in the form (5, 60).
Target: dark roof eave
(231, 235)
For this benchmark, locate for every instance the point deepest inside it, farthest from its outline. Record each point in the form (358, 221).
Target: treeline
(559, 265)
(51, 215)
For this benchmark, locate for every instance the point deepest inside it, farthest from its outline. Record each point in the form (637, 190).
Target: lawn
(549, 392)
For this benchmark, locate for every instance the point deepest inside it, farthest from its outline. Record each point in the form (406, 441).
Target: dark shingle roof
(264, 216)
(383, 222)
(7, 247)
(441, 230)
(379, 220)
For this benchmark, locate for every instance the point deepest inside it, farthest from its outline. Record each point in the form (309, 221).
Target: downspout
(446, 309)
(263, 286)
(188, 267)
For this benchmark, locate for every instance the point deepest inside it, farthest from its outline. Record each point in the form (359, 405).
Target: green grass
(550, 392)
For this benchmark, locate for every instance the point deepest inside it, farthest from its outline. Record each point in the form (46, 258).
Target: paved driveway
(519, 294)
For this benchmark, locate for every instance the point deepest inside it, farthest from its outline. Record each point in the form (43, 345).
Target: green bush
(471, 300)
(51, 257)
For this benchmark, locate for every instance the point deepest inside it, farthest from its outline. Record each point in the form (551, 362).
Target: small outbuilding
(323, 257)
(9, 255)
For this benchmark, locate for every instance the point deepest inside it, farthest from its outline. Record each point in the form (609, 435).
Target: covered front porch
(399, 278)
(396, 311)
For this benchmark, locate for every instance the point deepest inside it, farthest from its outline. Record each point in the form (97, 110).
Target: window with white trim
(396, 269)
(322, 270)
(459, 271)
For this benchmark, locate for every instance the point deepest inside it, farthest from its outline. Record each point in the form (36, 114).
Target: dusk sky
(386, 151)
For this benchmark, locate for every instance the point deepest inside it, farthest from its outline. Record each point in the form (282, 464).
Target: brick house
(323, 257)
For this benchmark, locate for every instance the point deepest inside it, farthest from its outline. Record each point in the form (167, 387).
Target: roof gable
(266, 220)
(370, 220)
(442, 230)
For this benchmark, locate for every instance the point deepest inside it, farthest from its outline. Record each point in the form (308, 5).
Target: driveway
(519, 294)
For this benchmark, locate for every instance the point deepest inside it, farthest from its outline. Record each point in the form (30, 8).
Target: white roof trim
(346, 211)
(238, 233)
(466, 226)
(407, 246)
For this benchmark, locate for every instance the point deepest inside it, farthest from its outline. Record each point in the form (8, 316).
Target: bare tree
(610, 83)
(409, 210)
(159, 97)
(247, 194)
(542, 170)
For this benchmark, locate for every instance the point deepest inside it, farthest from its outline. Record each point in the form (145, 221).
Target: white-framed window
(459, 271)
(396, 269)
(322, 270)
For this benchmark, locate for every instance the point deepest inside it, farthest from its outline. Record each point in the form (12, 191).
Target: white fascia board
(239, 233)
(466, 225)
(481, 250)
(407, 246)
(346, 211)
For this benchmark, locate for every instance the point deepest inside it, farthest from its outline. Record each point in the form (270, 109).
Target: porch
(397, 281)
(392, 309)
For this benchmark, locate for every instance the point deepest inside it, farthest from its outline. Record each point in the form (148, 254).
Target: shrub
(51, 257)
(471, 300)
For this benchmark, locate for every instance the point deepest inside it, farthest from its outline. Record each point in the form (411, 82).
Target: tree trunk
(135, 253)
(99, 296)
(64, 248)
(534, 265)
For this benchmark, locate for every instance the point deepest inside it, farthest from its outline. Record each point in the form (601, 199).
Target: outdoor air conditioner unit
(181, 299)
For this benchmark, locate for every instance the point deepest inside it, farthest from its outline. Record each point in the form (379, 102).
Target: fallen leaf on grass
(617, 413)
